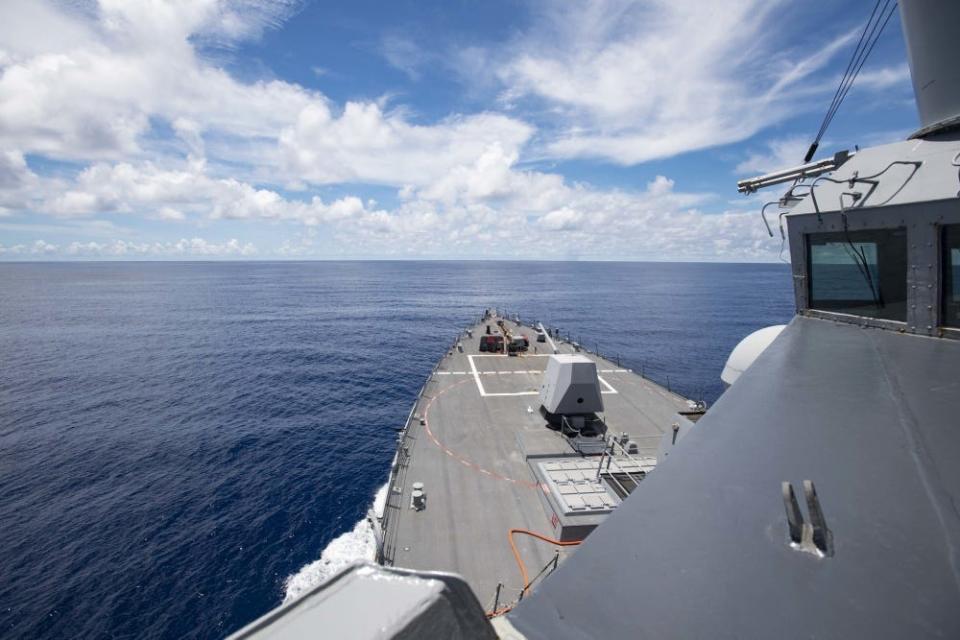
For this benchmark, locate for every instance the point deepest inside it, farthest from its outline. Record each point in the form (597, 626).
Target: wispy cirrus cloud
(635, 81)
(403, 54)
(778, 153)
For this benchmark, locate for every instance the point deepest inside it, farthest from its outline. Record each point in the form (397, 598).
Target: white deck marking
(502, 355)
(607, 385)
(476, 376)
(518, 371)
(486, 394)
(549, 339)
(514, 393)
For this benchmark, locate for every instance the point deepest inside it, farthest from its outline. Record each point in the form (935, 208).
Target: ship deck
(470, 439)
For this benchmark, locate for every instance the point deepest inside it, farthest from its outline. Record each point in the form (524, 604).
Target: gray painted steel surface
(930, 28)
(701, 547)
(471, 441)
(570, 385)
(368, 602)
(864, 409)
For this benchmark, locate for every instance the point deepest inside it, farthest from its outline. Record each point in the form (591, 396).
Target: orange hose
(516, 553)
(523, 567)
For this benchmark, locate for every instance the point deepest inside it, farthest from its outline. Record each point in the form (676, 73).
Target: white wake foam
(352, 546)
(380, 500)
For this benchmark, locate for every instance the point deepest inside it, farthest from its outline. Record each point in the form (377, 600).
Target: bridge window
(862, 273)
(951, 275)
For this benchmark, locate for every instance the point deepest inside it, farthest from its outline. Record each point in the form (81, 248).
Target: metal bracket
(812, 537)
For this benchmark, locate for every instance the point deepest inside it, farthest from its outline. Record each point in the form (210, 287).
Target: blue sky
(210, 129)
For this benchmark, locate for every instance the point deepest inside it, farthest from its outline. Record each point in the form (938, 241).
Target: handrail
(396, 473)
(623, 452)
(763, 214)
(543, 572)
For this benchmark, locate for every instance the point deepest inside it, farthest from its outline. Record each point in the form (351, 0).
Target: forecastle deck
(488, 463)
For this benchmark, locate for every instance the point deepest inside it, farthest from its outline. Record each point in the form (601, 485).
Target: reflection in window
(951, 275)
(859, 272)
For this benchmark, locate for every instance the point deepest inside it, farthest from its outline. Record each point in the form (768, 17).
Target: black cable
(866, 36)
(856, 61)
(865, 45)
(863, 60)
(849, 68)
(859, 256)
(843, 80)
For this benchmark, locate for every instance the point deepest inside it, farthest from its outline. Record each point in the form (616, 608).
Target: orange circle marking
(465, 462)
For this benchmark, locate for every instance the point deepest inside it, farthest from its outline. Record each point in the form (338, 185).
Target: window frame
(943, 262)
(810, 244)
(923, 222)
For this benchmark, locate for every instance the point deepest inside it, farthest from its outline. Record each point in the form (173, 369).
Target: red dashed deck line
(458, 457)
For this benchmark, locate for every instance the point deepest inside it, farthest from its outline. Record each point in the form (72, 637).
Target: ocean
(182, 445)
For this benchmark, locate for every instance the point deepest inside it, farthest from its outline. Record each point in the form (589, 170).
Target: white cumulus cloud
(363, 144)
(174, 194)
(153, 128)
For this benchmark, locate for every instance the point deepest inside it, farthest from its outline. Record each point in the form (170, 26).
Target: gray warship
(540, 490)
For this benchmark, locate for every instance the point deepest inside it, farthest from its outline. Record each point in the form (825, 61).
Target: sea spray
(356, 545)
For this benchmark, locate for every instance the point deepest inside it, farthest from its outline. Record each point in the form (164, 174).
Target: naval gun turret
(570, 396)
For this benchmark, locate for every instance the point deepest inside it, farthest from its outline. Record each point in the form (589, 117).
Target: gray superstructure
(817, 498)
(851, 411)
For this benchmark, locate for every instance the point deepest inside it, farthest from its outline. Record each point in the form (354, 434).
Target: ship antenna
(868, 39)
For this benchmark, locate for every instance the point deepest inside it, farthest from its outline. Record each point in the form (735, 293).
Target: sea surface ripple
(178, 439)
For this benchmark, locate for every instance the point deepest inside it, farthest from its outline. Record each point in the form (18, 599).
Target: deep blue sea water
(176, 439)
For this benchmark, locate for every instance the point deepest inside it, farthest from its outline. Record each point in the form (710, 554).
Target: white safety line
(549, 339)
(534, 393)
(515, 393)
(476, 376)
(517, 371)
(607, 385)
(484, 393)
(503, 355)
